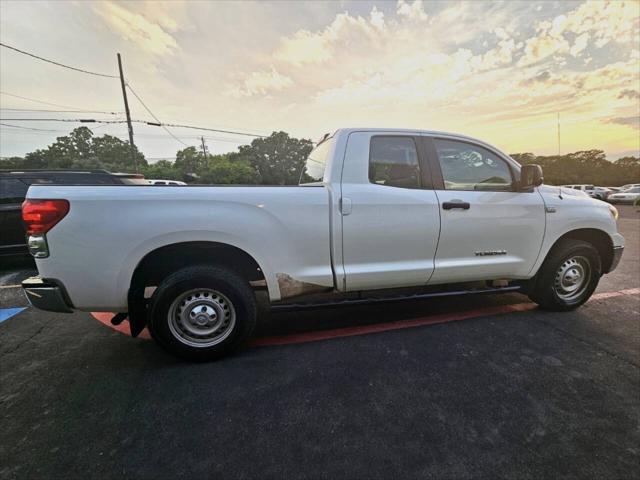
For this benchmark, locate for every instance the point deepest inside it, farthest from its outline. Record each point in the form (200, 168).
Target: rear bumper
(615, 259)
(46, 295)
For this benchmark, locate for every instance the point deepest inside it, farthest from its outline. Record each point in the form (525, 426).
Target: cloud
(261, 83)
(541, 47)
(629, 93)
(412, 11)
(136, 28)
(540, 77)
(580, 44)
(633, 122)
(345, 31)
(304, 47)
(597, 21)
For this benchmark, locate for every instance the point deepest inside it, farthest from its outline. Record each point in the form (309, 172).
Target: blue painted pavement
(7, 313)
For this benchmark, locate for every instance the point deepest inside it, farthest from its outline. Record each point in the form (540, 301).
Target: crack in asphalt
(17, 347)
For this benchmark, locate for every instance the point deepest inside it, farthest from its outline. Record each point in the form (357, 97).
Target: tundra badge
(491, 252)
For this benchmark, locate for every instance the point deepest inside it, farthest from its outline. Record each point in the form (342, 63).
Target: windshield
(314, 167)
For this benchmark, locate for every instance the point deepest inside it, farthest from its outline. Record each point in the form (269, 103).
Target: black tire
(224, 293)
(556, 272)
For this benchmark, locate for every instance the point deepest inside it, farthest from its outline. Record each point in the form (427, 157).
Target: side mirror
(530, 176)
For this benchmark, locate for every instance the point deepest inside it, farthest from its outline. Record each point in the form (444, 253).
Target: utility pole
(204, 154)
(126, 109)
(558, 133)
(204, 148)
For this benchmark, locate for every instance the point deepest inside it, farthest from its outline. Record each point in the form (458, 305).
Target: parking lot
(472, 387)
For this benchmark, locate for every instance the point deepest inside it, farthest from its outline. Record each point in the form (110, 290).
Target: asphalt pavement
(523, 394)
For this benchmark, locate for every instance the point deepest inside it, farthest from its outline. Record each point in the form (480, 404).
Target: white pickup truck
(375, 209)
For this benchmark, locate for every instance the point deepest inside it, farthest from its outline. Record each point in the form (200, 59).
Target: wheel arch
(600, 239)
(165, 259)
(158, 263)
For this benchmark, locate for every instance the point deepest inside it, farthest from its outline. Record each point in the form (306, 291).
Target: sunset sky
(497, 71)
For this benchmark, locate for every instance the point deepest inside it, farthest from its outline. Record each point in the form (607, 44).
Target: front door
(488, 229)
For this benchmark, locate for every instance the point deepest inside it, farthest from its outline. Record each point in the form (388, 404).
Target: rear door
(488, 229)
(390, 214)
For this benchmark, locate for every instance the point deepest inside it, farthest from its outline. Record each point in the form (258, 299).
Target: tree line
(589, 167)
(278, 160)
(274, 160)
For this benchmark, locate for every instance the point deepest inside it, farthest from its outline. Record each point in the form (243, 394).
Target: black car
(13, 189)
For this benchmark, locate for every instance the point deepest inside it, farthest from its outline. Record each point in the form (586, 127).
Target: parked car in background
(13, 189)
(601, 193)
(582, 187)
(166, 182)
(131, 178)
(375, 209)
(625, 196)
(629, 185)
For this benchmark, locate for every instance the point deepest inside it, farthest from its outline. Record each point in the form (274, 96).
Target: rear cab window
(316, 163)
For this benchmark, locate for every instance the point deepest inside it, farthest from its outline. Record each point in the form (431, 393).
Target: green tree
(278, 159)
(80, 149)
(189, 160)
(163, 169)
(193, 166)
(589, 166)
(227, 169)
(115, 154)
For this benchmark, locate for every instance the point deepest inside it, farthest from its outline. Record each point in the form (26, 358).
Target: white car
(586, 188)
(630, 185)
(165, 182)
(625, 196)
(376, 209)
(601, 193)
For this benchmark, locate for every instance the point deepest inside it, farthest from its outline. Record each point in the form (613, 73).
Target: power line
(30, 128)
(58, 111)
(153, 124)
(154, 117)
(72, 120)
(78, 109)
(215, 130)
(57, 63)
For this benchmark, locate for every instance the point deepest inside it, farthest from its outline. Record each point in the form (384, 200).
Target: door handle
(345, 206)
(456, 204)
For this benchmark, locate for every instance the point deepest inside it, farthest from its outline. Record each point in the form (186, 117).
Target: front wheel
(202, 313)
(568, 276)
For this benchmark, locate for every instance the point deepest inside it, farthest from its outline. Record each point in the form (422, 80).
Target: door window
(393, 162)
(470, 167)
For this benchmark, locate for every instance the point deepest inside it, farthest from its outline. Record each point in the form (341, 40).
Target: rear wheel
(568, 276)
(202, 312)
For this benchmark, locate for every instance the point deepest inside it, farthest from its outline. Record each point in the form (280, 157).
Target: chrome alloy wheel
(201, 317)
(572, 278)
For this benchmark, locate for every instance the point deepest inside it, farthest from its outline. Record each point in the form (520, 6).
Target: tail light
(40, 216)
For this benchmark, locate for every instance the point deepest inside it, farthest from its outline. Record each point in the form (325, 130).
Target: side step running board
(284, 307)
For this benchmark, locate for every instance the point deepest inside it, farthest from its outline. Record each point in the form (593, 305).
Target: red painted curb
(319, 335)
(384, 327)
(105, 318)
